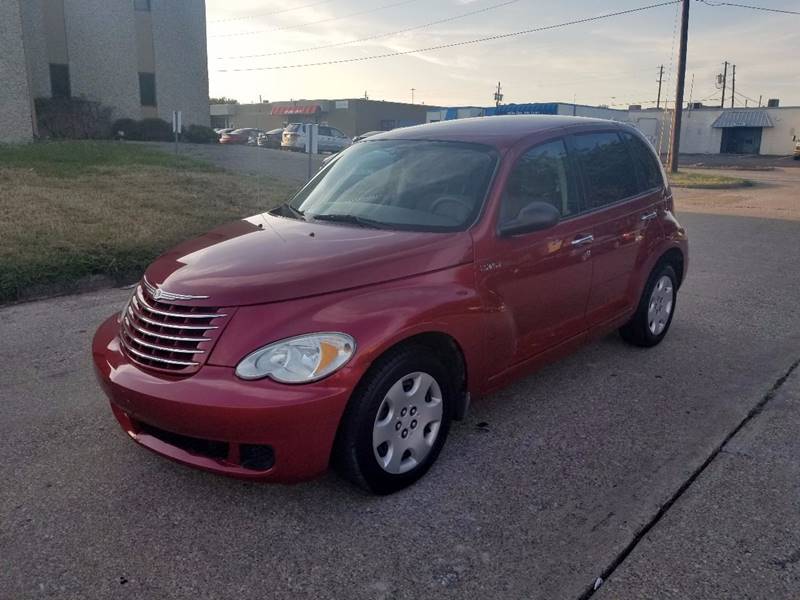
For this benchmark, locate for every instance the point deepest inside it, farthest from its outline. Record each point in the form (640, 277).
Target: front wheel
(396, 422)
(653, 316)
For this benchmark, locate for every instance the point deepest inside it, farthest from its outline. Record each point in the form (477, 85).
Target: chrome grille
(165, 335)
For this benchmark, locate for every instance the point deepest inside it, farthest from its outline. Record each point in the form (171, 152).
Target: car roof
(496, 130)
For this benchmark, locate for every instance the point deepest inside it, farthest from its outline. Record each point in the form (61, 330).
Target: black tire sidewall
(378, 480)
(657, 274)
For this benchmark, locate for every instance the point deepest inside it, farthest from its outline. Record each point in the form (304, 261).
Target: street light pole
(678, 114)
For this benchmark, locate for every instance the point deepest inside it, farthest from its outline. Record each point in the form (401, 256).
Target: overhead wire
(317, 22)
(456, 44)
(750, 6)
(270, 14)
(379, 35)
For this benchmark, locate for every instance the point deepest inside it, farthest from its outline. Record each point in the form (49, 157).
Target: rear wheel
(396, 422)
(653, 316)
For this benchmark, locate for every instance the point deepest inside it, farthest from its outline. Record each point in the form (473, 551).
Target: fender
(377, 316)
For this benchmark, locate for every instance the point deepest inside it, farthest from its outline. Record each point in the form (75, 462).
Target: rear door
(624, 201)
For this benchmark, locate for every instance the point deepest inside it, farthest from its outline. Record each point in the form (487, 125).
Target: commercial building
(352, 116)
(530, 108)
(769, 130)
(142, 58)
(706, 130)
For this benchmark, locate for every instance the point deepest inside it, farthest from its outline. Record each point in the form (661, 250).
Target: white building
(143, 58)
(768, 131)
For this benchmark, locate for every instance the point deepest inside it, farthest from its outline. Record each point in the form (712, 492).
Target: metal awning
(743, 118)
(306, 109)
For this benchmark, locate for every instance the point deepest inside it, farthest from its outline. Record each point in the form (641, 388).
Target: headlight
(299, 359)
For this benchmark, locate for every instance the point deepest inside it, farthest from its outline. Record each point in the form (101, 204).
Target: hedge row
(158, 130)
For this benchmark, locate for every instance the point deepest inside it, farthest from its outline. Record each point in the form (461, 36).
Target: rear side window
(608, 174)
(645, 162)
(541, 175)
(325, 131)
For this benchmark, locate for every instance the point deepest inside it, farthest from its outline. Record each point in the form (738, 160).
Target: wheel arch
(674, 256)
(448, 349)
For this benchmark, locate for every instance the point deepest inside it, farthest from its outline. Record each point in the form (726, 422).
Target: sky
(611, 61)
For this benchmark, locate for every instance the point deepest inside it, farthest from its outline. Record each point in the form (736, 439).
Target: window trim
(582, 176)
(641, 177)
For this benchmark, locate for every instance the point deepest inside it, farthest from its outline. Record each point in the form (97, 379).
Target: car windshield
(401, 184)
(294, 127)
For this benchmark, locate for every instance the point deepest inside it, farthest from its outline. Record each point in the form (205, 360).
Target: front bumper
(214, 421)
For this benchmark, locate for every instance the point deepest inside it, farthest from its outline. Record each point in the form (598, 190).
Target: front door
(537, 284)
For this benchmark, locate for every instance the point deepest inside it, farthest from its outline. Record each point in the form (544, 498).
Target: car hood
(267, 258)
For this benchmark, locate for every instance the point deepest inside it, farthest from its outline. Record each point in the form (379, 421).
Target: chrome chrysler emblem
(158, 293)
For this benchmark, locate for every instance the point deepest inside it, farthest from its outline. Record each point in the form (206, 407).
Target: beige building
(352, 116)
(143, 58)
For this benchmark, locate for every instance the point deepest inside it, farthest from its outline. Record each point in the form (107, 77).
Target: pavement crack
(664, 508)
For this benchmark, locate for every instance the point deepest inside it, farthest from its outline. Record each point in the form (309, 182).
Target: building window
(141, 5)
(59, 81)
(388, 124)
(147, 88)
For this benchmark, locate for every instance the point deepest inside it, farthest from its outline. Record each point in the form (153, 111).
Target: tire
(650, 323)
(404, 388)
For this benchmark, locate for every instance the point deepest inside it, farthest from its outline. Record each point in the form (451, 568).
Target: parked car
(271, 138)
(330, 138)
(796, 148)
(420, 270)
(240, 136)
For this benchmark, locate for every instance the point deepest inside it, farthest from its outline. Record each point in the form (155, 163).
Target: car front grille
(168, 336)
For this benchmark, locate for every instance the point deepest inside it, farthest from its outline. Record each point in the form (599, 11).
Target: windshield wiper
(295, 213)
(355, 220)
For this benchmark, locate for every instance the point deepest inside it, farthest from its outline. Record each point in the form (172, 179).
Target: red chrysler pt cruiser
(420, 269)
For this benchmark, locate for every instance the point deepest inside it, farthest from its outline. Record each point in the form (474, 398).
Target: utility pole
(678, 114)
(660, 79)
(498, 97)
(724, 84)
(412, 94)
(733, 86)
(759, 100)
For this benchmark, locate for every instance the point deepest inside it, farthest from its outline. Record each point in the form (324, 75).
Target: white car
(330, 138)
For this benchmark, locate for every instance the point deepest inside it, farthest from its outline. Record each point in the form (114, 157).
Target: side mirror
(536, 216)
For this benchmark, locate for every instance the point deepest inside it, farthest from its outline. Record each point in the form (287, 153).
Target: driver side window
(540, 175)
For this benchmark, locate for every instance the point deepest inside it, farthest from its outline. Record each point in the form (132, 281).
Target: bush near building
(72, 118)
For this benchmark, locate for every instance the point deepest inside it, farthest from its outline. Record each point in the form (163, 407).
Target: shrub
(155, 130)
(72, 118)
(127, 129)
(199, 134)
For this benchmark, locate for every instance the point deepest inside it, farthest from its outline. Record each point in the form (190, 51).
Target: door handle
(582, 240)
(649, 216)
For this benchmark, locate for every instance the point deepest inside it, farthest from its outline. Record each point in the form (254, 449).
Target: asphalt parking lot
(669, 472)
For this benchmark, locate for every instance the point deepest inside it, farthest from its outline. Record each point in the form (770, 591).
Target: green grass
(69, 159)
(706, 181)
(76, 210)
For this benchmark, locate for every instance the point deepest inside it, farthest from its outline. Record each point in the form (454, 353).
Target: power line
(310, 23)
(455, 44)
(379, 35)
(764, 8)
(269, 14)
